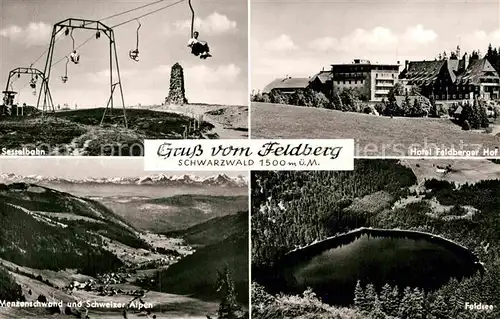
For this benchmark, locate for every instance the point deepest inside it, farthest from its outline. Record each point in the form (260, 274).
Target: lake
(332, 267)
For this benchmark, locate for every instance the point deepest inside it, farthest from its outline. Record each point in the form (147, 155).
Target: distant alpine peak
(220, 180)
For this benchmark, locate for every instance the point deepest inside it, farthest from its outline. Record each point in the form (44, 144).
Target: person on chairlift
(75, 57)
(198, 47)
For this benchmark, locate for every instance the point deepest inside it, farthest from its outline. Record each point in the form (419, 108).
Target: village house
(322, 82)
(424, 102)
(374, 81)
(287, 85)
(453, 79)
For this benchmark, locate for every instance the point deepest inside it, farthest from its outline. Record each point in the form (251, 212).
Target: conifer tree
(438, 308)
(359, 297)
(370, 295)
(395, 301)
(417, 304)
(474, 118)
(483, 117)
(228, 308)
(405, 304)
(386, 299)
(377, 312)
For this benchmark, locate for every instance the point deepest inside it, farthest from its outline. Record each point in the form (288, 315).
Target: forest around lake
(295, 211)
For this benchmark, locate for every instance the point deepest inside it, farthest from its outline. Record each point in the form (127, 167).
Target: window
(349, 81)
(460, 96)
(454, 97)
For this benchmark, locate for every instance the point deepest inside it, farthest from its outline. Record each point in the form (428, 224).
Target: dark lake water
(333, 267)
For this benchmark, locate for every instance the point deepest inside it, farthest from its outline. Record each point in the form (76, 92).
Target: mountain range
(220, 180)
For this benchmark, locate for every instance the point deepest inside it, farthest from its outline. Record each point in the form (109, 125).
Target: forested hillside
(294, 209)
(9, 289)
(178, 212)
(46, 229)
(213, 231)
(197, 274)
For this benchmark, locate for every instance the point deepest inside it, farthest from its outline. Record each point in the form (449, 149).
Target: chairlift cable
(123, 23)
(78, 47)
(128, 11)
(146, 14)
(46, 50)
(105, 18)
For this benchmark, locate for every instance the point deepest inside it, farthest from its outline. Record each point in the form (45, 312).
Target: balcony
(384, 85)
(350, 76)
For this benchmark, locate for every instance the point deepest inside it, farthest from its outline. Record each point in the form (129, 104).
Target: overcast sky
(26, 26)
(298, 38)
(85, 167)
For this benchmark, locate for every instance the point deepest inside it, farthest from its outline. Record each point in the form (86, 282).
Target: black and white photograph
(408, 238)
(399, 77)
(97, 79)
(107, 240)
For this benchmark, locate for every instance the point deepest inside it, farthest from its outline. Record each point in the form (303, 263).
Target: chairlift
(98, 33)
(64, 78)
(134, 53)
(33, 83)
(74, 56)
(198, 48)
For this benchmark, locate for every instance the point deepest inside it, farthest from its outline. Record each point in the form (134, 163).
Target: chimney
(407, 63)
(466, 61)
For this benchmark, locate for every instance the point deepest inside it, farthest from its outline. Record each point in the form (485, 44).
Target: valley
(119, 248)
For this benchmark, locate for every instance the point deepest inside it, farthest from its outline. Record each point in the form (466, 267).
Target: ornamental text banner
(242, 155)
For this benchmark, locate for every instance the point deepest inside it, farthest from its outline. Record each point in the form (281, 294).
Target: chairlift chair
(74, 56)
(64, 78)
(196, 47)
(134, 53)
